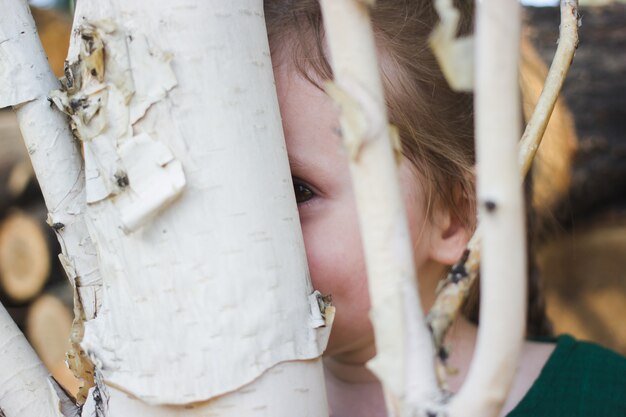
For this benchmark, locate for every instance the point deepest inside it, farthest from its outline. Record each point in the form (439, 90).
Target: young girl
(436, 129)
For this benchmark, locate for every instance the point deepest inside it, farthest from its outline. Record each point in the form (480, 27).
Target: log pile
(48, 320)
(26, 243)
(24, 257)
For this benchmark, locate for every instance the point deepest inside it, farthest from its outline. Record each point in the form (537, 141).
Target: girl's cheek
(333, 246)
(318, 258)
(320, 253)
(308, 233)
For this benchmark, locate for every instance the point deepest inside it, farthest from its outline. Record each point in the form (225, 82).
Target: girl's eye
(302, 191)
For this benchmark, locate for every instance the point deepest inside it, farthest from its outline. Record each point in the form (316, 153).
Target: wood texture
(48, 327)
(24, 257)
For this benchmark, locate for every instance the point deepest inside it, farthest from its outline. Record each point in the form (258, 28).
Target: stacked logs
(33, 286)
(24, 257)
(24, 247)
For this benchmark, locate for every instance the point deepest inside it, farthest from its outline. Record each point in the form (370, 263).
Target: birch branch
(563, 57)
(25, 388)
(404, 358)
(454, 289)
(501, 210)
(25, 83)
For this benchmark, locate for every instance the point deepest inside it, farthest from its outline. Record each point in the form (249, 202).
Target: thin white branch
(457, 284)
(455, 55)
(503, 266)
(568, 42)
(25, 390)
(404, 359)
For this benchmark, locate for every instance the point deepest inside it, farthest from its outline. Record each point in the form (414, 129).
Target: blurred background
(63, 5)
(579, 194)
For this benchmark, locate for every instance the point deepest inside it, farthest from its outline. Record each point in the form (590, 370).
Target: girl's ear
(449, 236)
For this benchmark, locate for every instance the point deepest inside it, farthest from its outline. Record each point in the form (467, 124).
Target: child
(436, 128)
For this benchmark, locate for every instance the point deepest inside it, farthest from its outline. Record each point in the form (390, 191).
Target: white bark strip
(503, 265)
(455, 55)
(206, 289)
(24, 387)
(21, 66)
(404, 360)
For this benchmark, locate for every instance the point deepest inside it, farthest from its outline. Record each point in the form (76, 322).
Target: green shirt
(579, 379)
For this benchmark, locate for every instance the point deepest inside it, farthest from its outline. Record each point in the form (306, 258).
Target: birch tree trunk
(204, 305)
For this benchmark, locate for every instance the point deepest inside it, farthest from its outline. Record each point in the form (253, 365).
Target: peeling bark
(25, 390)
(188, 203)
(198, 241)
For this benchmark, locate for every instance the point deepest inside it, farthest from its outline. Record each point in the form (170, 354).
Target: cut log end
(48, 327)
(24, 257)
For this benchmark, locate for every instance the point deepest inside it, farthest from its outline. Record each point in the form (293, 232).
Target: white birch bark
(25, 389)
(286, 390)
(503, 264)
(404, 352)
(454, 55)
(205, 291)
(191, 208)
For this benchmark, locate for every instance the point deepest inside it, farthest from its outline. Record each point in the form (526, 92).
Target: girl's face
(328, 214)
